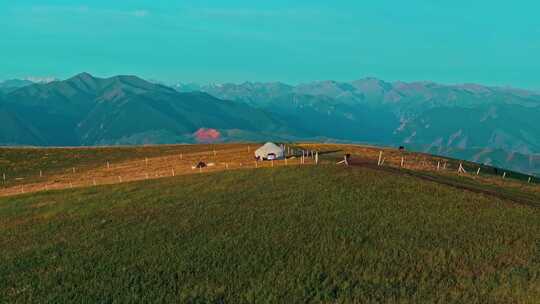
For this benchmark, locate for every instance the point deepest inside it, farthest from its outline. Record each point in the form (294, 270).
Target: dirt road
(522, 198)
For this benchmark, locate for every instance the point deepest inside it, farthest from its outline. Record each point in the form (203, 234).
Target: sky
(489, 42)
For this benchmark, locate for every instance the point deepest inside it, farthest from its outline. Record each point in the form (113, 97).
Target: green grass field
(283, 235)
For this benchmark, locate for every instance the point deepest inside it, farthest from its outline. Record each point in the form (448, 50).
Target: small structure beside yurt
(269, 151)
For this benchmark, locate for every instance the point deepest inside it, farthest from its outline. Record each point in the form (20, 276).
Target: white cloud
(140, 13)
(67, 9)
(47, 9)
(40, 79)
(257, 13)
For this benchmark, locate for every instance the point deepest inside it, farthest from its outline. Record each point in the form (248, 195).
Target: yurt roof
(269, 146)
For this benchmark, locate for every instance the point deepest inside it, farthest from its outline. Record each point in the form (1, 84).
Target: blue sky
(489, 42)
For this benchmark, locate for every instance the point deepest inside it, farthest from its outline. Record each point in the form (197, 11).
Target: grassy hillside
(290, 234)
(27, 162)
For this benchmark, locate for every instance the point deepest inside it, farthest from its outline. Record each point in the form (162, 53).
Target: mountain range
(13, 84)
(492, 125)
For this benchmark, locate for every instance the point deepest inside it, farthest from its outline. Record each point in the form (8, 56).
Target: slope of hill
(295, 234)
(14, 129)
(27, 170)
(7, 86)
(511, 128)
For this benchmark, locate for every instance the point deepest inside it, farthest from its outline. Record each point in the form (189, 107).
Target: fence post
(478, 171)
(316, 158)
(380, 158)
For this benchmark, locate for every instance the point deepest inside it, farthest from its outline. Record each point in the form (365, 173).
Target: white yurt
(270, 151)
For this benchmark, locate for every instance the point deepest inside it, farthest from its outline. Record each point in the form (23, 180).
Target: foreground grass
(295, 234)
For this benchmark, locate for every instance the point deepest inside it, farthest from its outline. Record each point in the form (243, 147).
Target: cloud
(68, 9)
(48, 9)
(256, 13)
(140, 13)
(40, 79)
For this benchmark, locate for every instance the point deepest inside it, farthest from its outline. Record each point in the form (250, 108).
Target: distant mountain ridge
(497, 126)
(86, 110)
(7, 86)
(451, 120)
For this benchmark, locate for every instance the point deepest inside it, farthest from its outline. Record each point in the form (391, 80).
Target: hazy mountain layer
(85, 110)
(13, 84)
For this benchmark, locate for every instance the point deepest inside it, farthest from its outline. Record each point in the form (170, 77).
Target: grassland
(26, 163)
(36, 169)
(516, 186)
(292, 234)
(73, 169)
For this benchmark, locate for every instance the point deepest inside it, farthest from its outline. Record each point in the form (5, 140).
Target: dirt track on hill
(370, 164)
